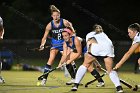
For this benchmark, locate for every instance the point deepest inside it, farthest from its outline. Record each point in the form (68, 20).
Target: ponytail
(54, 9)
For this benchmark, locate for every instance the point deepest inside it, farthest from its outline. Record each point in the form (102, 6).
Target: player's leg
(96, 74)
(139, 63)
(88, 59)
(53, 53)
(136, 67)
(1, 78)
(72, 71)
(113, 74)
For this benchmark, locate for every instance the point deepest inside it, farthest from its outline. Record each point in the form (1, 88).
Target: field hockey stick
(98, 65)
(92, 81)
(44, 74)
(36, 49)
(134, 88)
(45, 47)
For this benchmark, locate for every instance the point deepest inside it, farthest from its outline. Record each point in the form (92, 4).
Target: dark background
(26, 19)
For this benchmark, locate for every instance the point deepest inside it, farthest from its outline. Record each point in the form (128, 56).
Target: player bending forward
(73, 48)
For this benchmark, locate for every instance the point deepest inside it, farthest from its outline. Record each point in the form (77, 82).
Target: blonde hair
(54, 9)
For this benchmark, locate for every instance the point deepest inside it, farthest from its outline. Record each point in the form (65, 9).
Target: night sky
(26, 19)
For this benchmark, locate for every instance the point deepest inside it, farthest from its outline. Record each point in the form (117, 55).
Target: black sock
(47, 68)
(74, 67)
(76, 85)
(71, 70)
(96, 75)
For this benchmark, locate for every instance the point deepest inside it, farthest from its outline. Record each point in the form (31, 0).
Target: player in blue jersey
(73, 48)
(55, 28)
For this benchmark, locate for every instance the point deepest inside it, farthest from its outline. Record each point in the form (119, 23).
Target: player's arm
(79, 51)
(69, 24)
(127, 55)
(43, 41)
(1, 32)
(1, 29)
(64, 54)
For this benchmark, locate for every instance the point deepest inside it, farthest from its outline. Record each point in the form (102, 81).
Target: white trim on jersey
(103, 47)
(136, 39)
(1, 22)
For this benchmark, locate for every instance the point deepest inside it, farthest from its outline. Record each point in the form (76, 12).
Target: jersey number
(59, 36)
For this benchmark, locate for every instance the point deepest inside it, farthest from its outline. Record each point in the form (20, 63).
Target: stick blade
(86, 86)
(136, 88)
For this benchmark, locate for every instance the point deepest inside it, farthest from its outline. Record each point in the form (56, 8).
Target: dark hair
(95, 27)
(134, 27)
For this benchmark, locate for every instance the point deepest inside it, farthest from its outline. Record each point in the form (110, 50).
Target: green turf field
(25, 82)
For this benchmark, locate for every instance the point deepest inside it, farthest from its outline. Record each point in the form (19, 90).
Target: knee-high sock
(74, 66)
(46, 69)
(96, 74)
(114, 78)
(72, 70)
(80, 73)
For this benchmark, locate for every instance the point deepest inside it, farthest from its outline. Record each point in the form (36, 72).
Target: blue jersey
(56, 33)
(84, 48)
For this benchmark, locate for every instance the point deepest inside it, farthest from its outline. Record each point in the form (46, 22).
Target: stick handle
(92, 81)
(126, 83)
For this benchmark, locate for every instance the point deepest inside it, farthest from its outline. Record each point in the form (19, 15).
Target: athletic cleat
(119, 89)
(2, 80)
(70, 82)
(43, 82)
(100, 84)
(75, 87)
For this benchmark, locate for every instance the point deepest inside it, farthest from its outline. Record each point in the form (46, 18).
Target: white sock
(80, 74)
(114, 78)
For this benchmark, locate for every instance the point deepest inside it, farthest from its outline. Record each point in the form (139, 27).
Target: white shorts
(105, 49)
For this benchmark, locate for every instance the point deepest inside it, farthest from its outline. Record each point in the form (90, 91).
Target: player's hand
(61, 65)
(98, 67)
(41, 47)
(118, 65)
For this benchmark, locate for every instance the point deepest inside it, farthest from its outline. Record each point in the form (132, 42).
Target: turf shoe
(119, 89)
(43, 82)
(75, 87)
(2, 80)
(70, 82)
(100, 84)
